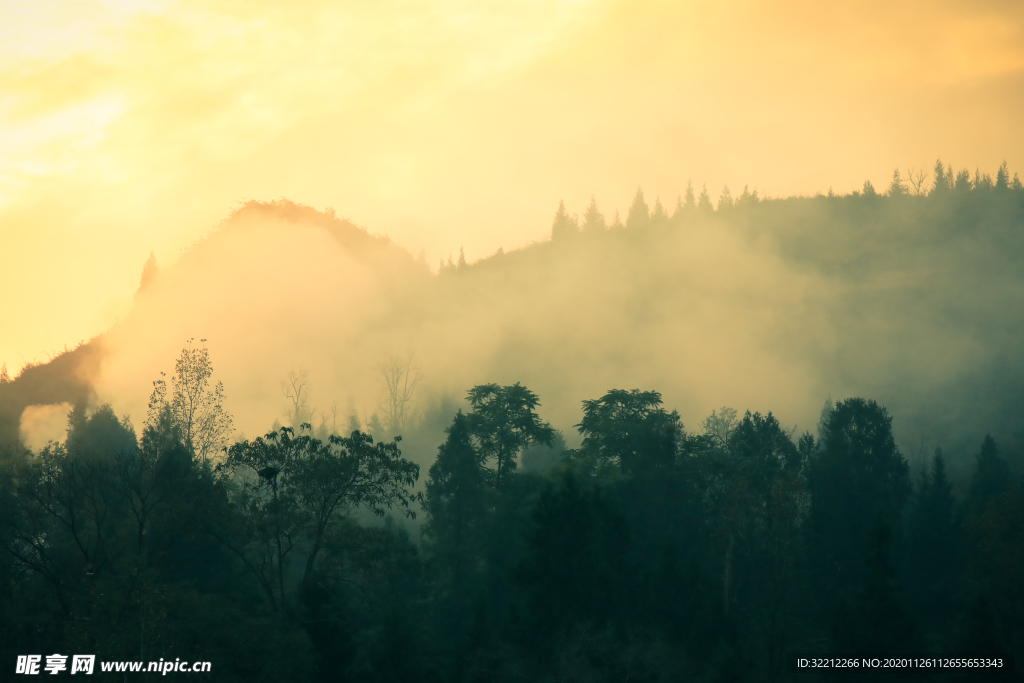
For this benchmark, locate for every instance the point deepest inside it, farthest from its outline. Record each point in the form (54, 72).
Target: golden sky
(136, 126)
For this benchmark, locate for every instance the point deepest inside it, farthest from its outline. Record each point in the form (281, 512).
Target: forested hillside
(517, 468)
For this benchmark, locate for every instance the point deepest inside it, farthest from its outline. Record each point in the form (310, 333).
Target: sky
(135, 127)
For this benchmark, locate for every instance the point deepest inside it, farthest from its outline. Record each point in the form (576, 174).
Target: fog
(752, 307)
(130, 128)
(586, 340)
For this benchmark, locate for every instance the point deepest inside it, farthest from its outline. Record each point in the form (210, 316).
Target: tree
(747, 197)
(933, 543)
(874, 619)
(897, 188)
(991, 476)
(704, 200)
(294, 389)
(868, 190)
(197, 410)
(455, 501)
(593, 221)
(1002, 177)
(458, 509)
(292, 488)
(762, 440)
(916, 179)
(400, 375)
(574, 567)
(659, 216)
(859, 477)
(639, 215)
(616, 222)
(99, 436)
(563, 225)
(725, 199)
(503, 422)
(942, 182)
(628, 430)
(691, 199)
(5, 377)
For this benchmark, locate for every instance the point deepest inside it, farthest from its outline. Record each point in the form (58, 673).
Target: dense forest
(490, 545)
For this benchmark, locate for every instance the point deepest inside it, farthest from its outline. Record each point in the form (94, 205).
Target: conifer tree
(897, 188)
(691, 199)
(1002, 177)
(725, 199)
(962, 184)
(564, 225)
(934, 555)
(942, 182)
(593, 221)
(639, 215)
(659, 216)
(455, 501)
(991, 476)
(704, 200)
(677, 213)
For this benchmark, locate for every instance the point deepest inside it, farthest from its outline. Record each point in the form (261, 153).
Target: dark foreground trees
(649, 553)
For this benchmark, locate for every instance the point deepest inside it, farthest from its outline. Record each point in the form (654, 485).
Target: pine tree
(725, 199)
(991, 476)
(962, 184)
(897, 188)
(868, 190)
(564, 225)
(455, 501)
(5, 377)
(691, 199)
(593, 221)
(639, 215)
(1002, 177)
(941, 181)
(933, 538)
(659, 216)
(704, 200)
(678, 212)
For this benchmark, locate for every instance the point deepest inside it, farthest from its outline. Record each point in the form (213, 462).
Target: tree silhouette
(897, 188)
(503, 423)
(639, 215)
(991, 476)
(593, 221)
(628, 430)
(563, 225)
(196, 408)
(859, 478)
(704, 200)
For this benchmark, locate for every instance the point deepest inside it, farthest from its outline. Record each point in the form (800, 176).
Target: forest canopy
(527, 481)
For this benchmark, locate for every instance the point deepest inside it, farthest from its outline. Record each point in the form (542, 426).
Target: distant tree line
(649, 553)
(911, 183)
